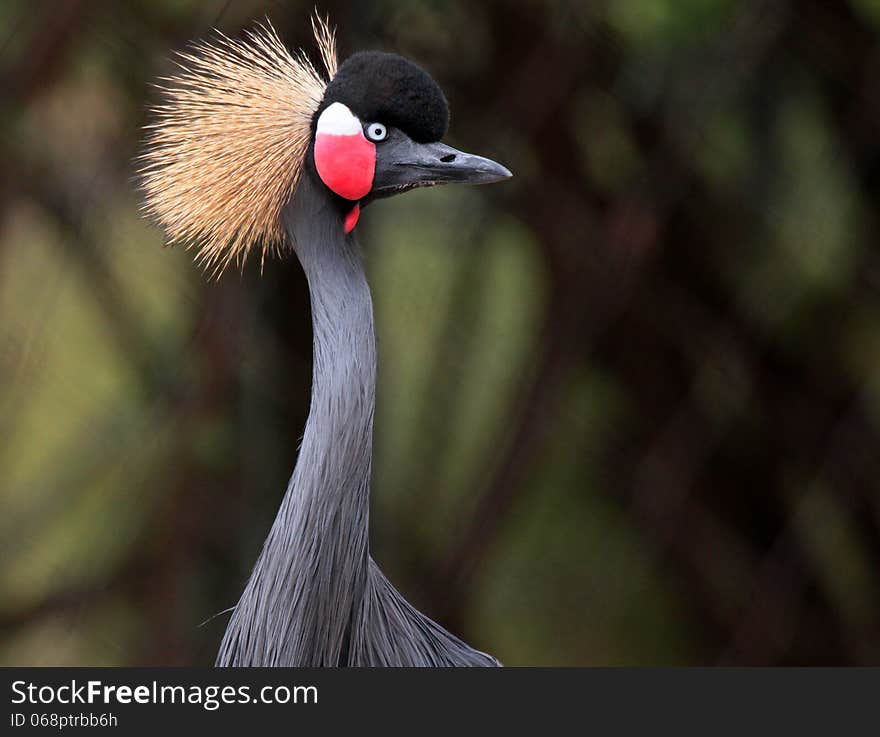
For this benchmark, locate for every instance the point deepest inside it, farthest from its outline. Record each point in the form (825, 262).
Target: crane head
(241, 120)
(377, 133)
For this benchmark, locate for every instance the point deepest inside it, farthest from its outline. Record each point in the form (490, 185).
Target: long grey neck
(311, 575)
(333, 473)
(329, 492)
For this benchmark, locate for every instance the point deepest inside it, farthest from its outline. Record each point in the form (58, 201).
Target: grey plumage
(253, 146)
(316, 597)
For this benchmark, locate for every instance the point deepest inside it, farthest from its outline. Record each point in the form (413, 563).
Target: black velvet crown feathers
(386, 88)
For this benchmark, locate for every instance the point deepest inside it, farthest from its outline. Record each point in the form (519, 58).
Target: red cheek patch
(346, 164)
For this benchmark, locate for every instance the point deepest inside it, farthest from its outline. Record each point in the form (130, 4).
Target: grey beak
(440, 163)
(402, 164)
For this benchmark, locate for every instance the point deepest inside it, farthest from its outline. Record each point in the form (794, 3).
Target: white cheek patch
(338, 120)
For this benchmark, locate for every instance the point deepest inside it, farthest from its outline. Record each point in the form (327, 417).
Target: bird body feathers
(315, 597)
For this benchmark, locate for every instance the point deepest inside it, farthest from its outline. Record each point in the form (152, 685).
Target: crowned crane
(252, 146)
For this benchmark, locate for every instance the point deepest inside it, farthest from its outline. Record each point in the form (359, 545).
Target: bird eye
(376, 132)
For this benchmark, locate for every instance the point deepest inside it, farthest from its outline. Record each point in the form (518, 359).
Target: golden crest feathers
(227, 144)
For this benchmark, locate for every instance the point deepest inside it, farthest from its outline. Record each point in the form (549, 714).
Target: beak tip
(499, 173)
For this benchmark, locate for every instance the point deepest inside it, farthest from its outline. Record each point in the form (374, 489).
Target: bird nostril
(448, 159)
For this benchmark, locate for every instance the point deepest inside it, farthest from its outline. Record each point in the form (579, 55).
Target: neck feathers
(311, 575)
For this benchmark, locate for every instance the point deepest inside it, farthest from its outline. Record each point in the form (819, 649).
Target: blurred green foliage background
(629, 402)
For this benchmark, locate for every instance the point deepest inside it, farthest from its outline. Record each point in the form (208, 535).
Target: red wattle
(346, 164)
(352, 218)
